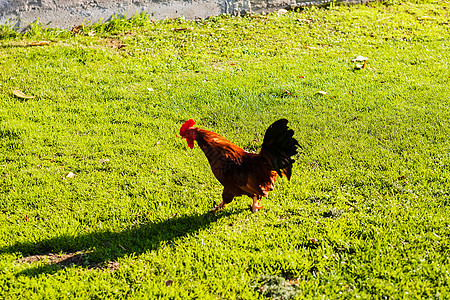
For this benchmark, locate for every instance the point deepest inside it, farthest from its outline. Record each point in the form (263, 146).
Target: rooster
(241, 172)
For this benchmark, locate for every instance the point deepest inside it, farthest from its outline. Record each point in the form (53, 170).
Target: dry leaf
(324, 93)
(426, 18)
(20, 94)
(305, 20)
(360, 58)
(77, 29)
(41, 43)
(169, 282)
(183, 29)
(293, 281)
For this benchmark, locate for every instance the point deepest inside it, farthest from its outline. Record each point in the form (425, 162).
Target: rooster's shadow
(101, 250)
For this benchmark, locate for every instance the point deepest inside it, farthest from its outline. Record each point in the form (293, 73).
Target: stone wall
(68, 13)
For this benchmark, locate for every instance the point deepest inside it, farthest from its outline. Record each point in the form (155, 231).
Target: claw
(217, 208)
(256, 206)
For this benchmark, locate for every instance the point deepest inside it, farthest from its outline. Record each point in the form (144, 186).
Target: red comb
(188, 124)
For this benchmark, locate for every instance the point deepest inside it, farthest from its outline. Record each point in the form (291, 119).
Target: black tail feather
(279, 146)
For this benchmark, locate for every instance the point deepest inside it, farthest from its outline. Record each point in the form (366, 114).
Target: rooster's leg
(227, 197)
(256, 205)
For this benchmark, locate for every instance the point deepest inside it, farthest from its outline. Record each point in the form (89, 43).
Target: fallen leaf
(383, 19)
(301, 76)
(77, 29)
(169, 282)
(70, 175)
(41, 43)
(183, 29)
(360, 58)
(426, 18)
(324, 93)
(20, 94)
(113, 265)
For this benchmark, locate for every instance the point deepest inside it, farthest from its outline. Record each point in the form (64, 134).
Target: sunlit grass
(365, 214)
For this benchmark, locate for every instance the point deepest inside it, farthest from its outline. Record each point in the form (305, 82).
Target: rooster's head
(187, 132)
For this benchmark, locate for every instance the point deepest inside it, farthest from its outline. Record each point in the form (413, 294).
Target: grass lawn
(100, 199)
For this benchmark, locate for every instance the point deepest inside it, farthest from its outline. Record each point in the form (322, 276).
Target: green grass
(366, 213)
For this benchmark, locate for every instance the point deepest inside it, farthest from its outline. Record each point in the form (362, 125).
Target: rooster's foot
(256, 206)
(217, 208)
